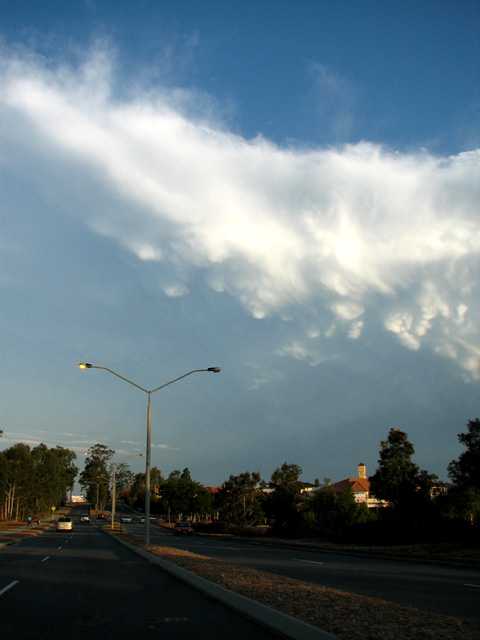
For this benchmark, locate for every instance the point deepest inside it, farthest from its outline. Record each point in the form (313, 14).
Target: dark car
(182, 529)
(101, 516)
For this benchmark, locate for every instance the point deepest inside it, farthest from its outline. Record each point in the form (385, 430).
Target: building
(360, 487)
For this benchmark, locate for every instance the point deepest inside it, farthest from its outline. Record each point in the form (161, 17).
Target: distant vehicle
(182, 529)
(84, 518)
(64, 524)
(126, 518)
(101, 516)
(142, 519)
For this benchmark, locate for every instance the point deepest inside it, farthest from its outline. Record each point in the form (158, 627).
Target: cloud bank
(341, 241)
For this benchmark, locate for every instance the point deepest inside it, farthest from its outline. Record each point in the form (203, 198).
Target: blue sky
(286, 190)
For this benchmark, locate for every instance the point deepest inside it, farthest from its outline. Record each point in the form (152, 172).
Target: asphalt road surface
(451, 591)
(83, 584)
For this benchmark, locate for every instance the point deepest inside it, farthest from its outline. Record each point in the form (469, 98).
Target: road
(83, 584)
(451, 591)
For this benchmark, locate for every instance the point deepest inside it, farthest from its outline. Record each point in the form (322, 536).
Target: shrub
(254, 532)
(216, 526)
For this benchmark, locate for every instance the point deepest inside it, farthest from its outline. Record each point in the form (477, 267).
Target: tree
(4, 469)
(240, 498)
(137, 491)
(465, 472)
(397, 478)
(95, 479)
(334, 512)
(65, 458)
(19, 481)
(156, 482)
(464, 498)
(283, 504)
(182, 495)
(53, 474)
(124, 476)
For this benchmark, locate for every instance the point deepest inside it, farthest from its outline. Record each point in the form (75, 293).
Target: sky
(285, 190)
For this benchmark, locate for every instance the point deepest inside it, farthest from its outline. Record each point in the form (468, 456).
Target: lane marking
(477, 586)
(9, 586)
(46, 558)
(309, 561)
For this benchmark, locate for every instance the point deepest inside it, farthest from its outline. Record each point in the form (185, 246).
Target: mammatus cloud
(338, 240)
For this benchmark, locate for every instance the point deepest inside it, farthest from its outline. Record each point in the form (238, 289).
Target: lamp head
(214, 369)
(85, 365)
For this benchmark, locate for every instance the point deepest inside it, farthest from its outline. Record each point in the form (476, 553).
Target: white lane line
(46, 558)
(59, 547)
(477, 586)
(9, 586)
(309, 561)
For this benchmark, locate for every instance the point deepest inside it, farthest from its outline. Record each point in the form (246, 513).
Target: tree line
(417, 501)
(418, 504)
(32, 481)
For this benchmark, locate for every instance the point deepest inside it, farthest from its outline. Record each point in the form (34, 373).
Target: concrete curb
(280, 623)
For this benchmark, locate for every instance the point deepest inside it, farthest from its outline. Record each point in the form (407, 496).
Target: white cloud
(164, 447)
(401, 324)
(360, 233)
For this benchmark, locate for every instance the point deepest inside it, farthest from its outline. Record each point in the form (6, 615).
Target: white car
(84, 518)
(126, 518)
(64, 524)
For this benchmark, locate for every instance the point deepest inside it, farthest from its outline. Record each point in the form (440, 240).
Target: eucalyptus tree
(465, 472)
(241, 497)
(464, 498)
(398, 480)
(95, 477)
(124, 476)
(183, 496)
(4, 468)
(18, 486)
(53, 474)
(283, 504)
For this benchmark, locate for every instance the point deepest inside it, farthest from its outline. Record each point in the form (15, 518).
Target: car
(126, 519)
(84, 517)
(64, 524)
(182, 529)
(101, 516)
(142, 519)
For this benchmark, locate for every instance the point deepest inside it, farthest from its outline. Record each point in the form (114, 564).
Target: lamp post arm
(92, 366)
(177, 379)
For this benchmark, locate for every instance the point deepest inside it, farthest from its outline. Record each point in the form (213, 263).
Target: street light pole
(98, 487)
(114, 489)
(86, 365)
